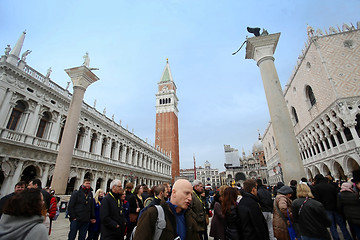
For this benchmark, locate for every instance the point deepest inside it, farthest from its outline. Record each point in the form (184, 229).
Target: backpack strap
(160, 222)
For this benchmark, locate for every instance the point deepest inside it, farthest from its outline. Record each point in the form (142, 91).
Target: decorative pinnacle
(167, 60)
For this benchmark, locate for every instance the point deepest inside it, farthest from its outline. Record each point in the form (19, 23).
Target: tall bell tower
(166, 132)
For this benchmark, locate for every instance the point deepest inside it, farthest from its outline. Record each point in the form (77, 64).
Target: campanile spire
(166, 132)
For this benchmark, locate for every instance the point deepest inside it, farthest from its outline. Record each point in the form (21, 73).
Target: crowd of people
(307, 210)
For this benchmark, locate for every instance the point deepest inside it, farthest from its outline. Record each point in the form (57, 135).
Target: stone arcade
(33, 110)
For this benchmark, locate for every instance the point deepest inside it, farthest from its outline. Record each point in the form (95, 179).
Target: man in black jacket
(253, 223)
(326, 193)
(266, 204)
(112, 213)
(81, 210)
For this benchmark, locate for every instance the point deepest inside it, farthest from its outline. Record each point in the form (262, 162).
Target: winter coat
(146, 225)
(279, 225)
(26, 228)
(81, 206)
(312, 219)
(198, 211)
(217, 223)
(232, 224)
(349, 206)
(265, 199)
(95, 227)
(253, 223)
(326, 193)
(4, 200)
(111, 215)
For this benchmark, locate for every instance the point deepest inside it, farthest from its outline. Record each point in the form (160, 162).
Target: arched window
(42, 125)
(310, 95)
(294, 115)
(16, 115)
(112, 150)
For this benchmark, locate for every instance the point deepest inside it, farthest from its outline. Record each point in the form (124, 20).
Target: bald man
(179, 223)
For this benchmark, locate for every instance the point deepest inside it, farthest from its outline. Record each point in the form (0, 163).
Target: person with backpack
(178, 222)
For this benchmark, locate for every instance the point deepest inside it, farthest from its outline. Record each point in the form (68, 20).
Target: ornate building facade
(167, 130)
(323, 98)
(209, 176)
(33, 111)
(253, 165)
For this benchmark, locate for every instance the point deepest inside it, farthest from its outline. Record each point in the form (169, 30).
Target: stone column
(79, 180)
(33, 120)
(115, 155)
(81, 77)
(87, 139)
(17, 173)
(355, 135)
(261, 49)
(123, 154)
(45, 175)
(93, 184)
(4, 107)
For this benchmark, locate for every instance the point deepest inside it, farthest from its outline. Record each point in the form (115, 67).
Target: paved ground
(60, 228)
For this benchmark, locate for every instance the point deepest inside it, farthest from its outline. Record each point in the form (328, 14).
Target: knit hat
(346, 186)
(285, 190)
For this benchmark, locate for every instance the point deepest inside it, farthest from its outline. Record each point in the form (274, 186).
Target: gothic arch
(351, 164)
(324, 169)
(338, 171)
(240, 176)
(309, 175)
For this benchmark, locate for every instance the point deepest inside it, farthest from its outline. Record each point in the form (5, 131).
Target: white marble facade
(323, 98)
(33, 111)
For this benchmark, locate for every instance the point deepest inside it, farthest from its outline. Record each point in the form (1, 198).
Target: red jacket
(52, 208)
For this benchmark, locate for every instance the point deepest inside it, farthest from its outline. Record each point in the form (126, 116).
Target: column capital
(262, 46)
(81, 76)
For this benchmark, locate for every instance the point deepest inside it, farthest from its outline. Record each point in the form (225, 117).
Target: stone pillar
(87, 139)
(261, 49)
(93, 184)
(341, 130)
(45, 175)
(108, 145)
(4, 109)
(17, 173)
(355, 135)
(98, 145)
(123, 154)
(115, 154)
(33, 120)
(55, 129)
(79, 180)
(81, 77)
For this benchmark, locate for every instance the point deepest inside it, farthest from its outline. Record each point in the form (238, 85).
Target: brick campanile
(166, 132)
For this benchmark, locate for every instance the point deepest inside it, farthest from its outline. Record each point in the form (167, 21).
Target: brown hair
(26, 203)
(229, 199)
(222, 189)
(129, 186)
(137, 189)
(249, 185)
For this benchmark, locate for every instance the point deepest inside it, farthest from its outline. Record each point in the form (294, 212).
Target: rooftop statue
(7, 50)
(48, 72)
(24, 55)
(86, 58)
